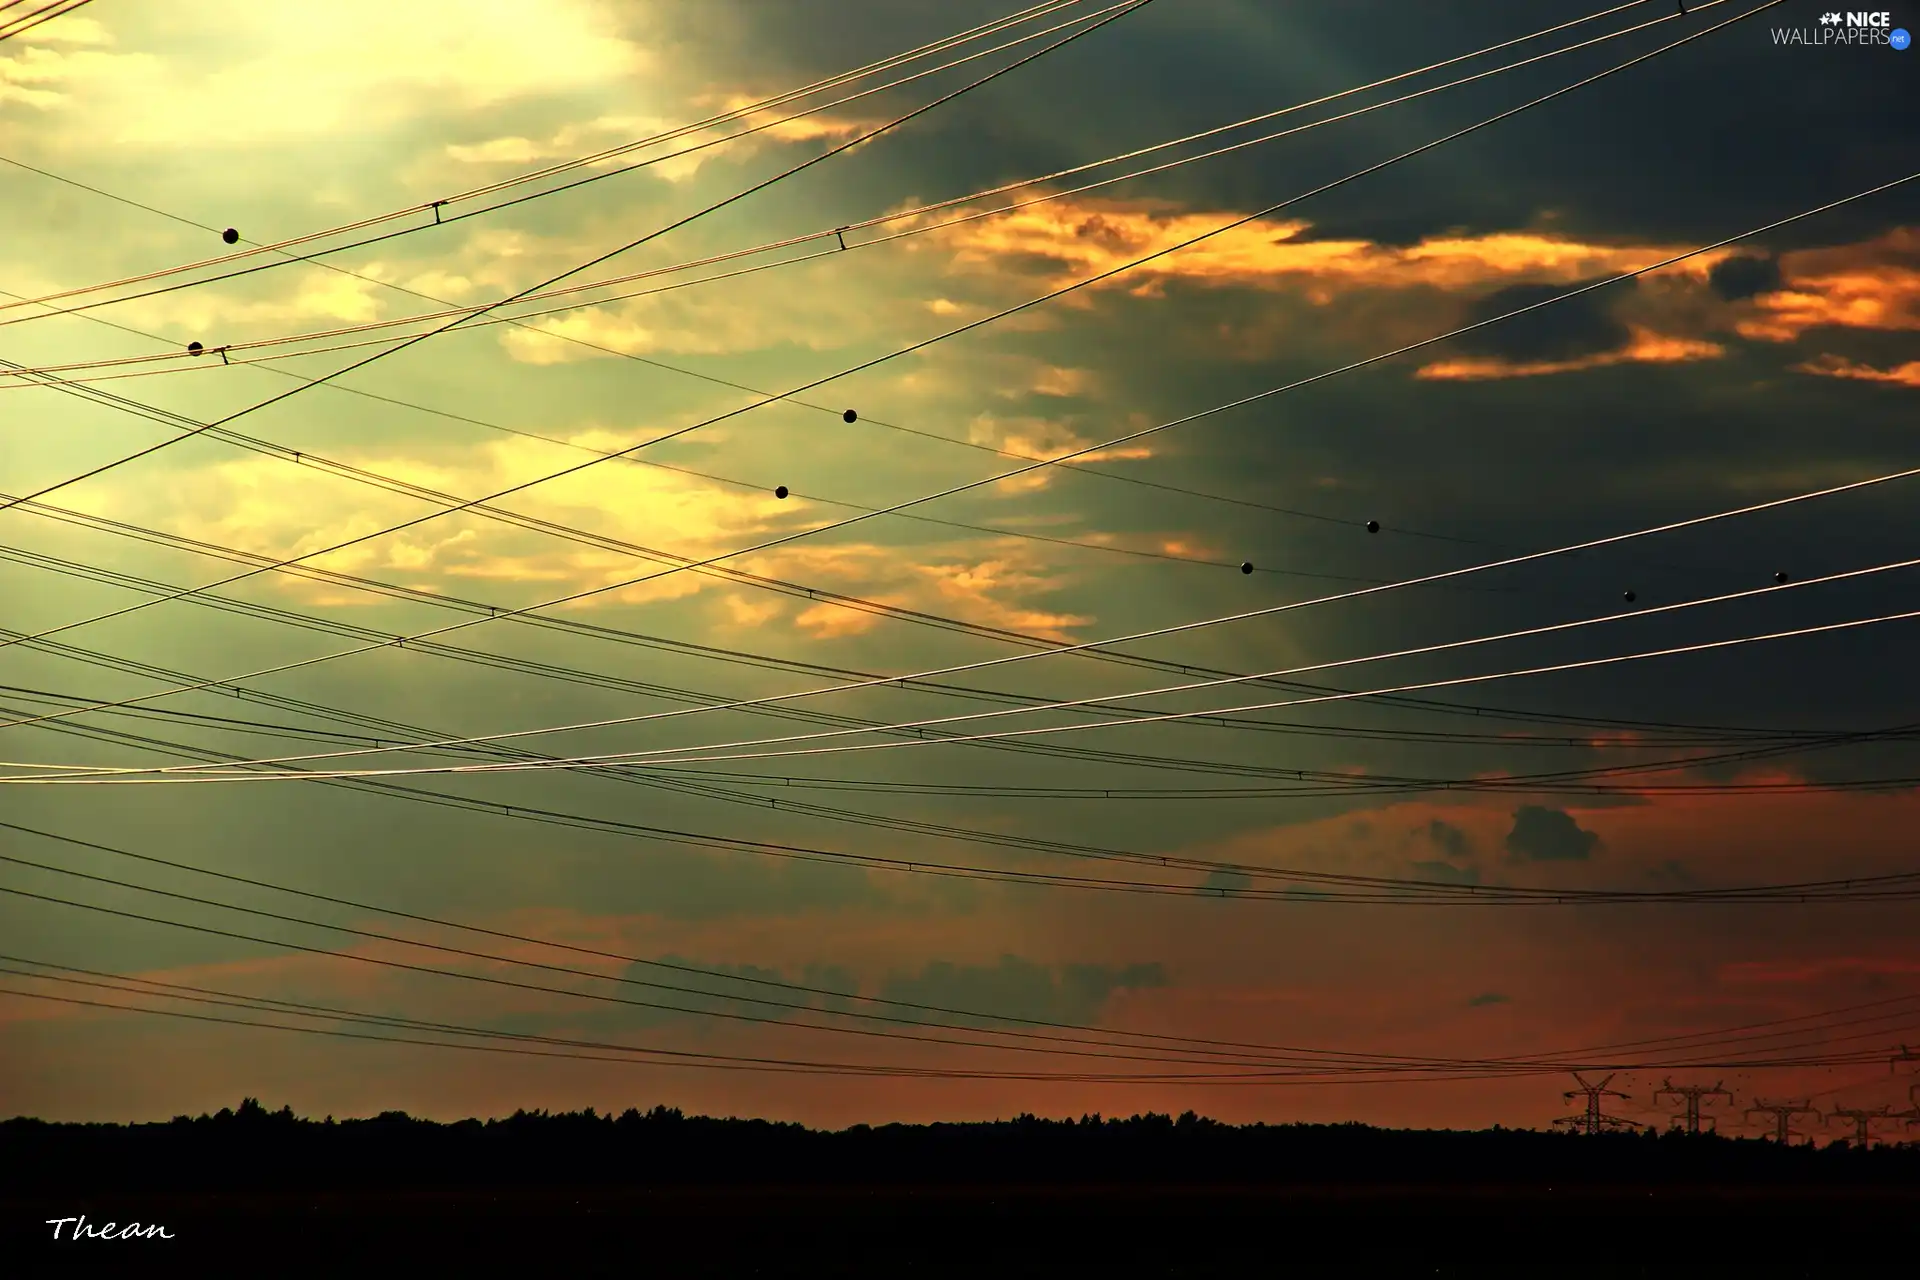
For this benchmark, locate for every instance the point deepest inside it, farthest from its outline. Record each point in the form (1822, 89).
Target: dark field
(259, 1193)
(972, 1231)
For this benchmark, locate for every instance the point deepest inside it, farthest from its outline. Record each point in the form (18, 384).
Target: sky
(1770, 366)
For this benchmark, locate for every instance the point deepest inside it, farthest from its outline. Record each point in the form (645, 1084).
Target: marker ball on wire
(230, 236)
(1780, 578)
(1628, 596)
(1246, 566)
(195, 348)
(1373, 526)
(849, 416)
(780, 492)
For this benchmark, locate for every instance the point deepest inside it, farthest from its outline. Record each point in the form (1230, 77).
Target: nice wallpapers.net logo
(1861, 29)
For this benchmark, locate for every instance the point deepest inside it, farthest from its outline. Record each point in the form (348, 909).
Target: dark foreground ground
(260, 1194)
(984, 1232)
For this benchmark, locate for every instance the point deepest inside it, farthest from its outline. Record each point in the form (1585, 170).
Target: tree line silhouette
(252, 1148)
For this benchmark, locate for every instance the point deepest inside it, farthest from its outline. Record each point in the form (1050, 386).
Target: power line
(1440, 577)
(1128, 7)
(437, 207)
(676, 753)
(837, 234)
(718, 1062)
(965, 328)
(46, 13)
(1163, 717)
(775, 662)
(1343, 887)
(392, 484)
(1692, 1096)
(1290, 1061)
(1689, 1041)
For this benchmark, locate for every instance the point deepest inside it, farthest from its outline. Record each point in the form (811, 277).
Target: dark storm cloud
(1021, 988)
(1693, 143)
(1447, 872)
(1549, 835)
(1449, 839)
(1745, 276)
(1580, 326)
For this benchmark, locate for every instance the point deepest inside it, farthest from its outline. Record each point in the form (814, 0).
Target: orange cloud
(1646, 348)
(1830, 366)
(1084, 239)
(1873, 285)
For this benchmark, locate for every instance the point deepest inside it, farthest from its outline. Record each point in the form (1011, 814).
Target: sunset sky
(132, 134)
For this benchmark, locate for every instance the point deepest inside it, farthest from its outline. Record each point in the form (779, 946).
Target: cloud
(45, 79)
(604, 132)
(1449, 839)
(1871, 285)
(807, 128)
(1832, 366)
(1021, 988)
(1063, 383)
(808, 308)
(1737, 279)
(566, 142)
(1580, 326)
(715, 995)
(1549, 835)
(268, 505)
(1642, 347)
(273, 507)
(994, 582)
(1074, 238)
(350, 67)
(1042, 437)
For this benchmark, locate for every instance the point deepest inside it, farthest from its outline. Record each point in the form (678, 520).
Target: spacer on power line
(840, 234)
(435, 206)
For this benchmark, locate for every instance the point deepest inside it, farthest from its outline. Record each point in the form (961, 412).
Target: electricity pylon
(1692, 1095)
(1862, 1120)
(1905, 1055)
(1594, 1119)
(1783, 1113)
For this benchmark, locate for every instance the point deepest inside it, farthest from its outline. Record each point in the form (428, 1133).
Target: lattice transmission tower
(1863, 1119)
(1594, 1119)
(1692, 1097)
(1783, 1114)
